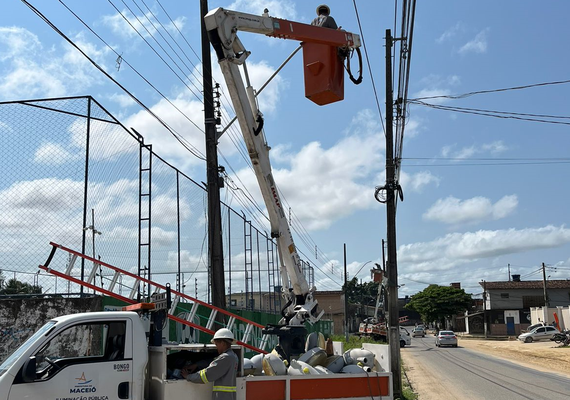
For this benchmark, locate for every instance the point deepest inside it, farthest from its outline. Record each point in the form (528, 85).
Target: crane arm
(223, 26)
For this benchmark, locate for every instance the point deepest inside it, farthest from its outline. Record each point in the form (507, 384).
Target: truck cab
(95, 355)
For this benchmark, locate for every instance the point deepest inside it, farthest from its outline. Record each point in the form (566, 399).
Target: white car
(405, 338)
(538, 333)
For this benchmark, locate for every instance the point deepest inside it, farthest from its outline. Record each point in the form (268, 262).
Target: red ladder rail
(246, 339)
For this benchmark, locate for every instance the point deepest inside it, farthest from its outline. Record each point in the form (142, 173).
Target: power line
(489, 164)
(369, 68)
(188, 146)
(495, 114)
(173, 39)
(152, 48)
(464, 95)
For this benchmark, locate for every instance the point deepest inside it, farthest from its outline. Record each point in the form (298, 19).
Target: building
(507, 304)
(331, 302)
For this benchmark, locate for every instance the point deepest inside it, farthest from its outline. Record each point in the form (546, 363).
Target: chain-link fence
(74, 175)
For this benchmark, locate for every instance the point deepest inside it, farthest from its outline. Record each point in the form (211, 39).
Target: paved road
(450, 373)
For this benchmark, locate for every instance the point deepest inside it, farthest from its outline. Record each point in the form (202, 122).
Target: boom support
(222, 26)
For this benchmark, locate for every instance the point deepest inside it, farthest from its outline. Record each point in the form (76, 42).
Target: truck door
(84, 360)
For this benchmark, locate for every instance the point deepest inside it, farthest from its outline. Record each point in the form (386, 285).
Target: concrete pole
(392, 266)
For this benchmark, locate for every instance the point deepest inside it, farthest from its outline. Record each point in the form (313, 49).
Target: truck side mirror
(29, 370)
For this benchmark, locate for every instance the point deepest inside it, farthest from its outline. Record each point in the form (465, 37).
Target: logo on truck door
(83, 386)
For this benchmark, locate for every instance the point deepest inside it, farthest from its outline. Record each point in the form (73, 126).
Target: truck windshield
(24, 347)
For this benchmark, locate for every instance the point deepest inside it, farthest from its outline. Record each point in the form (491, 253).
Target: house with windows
(507, 304)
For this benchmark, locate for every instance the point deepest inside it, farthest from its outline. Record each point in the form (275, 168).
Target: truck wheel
(402, 343)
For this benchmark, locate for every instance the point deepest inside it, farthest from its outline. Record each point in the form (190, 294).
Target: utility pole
(485, 308)
(509, 267)
(546, 302)
(392, 266)
(215, 243)
(346, 324)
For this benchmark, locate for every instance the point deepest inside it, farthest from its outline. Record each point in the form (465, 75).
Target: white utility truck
(105, 356)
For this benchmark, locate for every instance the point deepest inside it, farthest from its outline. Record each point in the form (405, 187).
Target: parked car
(539, 333)
(405, 338)
(530, 328)
(419, 331)
(446, 338)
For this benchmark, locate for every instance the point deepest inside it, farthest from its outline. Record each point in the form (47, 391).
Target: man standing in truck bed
(222, 370)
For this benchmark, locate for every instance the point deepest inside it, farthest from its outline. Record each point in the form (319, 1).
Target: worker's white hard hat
(224, 333)
(325, 7)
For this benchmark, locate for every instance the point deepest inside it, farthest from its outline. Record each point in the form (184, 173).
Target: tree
(362, 293)
(436, 303)
(14, 286)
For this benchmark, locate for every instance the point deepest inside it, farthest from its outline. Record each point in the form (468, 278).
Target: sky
(480, 193)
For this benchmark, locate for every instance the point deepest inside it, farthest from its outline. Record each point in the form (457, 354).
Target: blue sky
(464, 218)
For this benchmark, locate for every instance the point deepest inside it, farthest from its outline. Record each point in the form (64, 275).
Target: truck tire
(402, 343)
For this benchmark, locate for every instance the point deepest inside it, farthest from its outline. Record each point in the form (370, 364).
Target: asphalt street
(462, 373)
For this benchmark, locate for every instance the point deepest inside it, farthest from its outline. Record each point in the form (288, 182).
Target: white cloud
(53, 154)
(32, 71)
(122, 100)
(455, 211)
(435, 85)
(477, 45)
(418, 181)
(277, 8)
(467, 152)
(337, 181)
(146, 24)
(457, 249)
(450, 33)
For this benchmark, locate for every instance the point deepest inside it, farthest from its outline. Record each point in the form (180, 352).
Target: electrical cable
(151, 47)
(195, 68)
(178, 137)
(369, 67)
(490, 113)
(464, 95)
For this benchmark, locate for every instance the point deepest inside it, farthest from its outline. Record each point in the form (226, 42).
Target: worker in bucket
(324, 18)
(222, 370)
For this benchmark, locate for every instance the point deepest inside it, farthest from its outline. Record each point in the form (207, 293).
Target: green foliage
(14, 286)
(435, 303)
(354, 342)
(362, 293)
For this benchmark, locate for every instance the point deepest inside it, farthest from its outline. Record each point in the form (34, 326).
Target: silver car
(446, 338)
(419, 331)
(538, 333)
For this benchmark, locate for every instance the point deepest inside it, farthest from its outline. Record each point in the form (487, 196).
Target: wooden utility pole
(346, 324)
(485, 308)
(215, 243)
(392, 266)
(546, 302)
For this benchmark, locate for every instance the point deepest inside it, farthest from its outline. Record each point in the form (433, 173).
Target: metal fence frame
(74, 118)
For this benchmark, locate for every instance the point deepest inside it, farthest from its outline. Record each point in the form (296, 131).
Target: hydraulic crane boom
(222, 26)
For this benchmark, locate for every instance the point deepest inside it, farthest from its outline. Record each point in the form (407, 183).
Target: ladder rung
(91, 277)
(174, 304)
(193, 312)
(135, 289)
(230, 324)
(71, 263)
(212, 319)
(263, 343)
(114, 281)
(247, 333)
